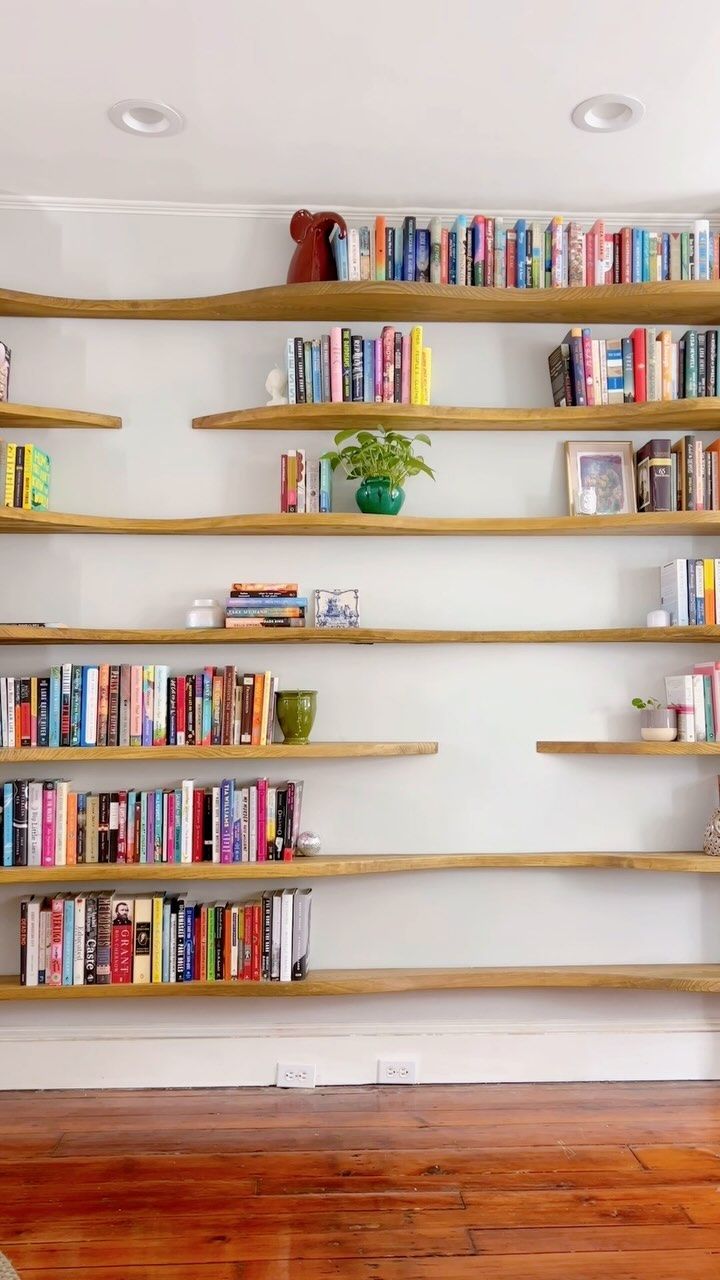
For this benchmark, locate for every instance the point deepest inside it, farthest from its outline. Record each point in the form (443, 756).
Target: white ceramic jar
(205, 613)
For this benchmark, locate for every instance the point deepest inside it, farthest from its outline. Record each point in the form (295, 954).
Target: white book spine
(252, 825)
(679, 694)
(186, 824)
(602, 348)
(301, 464)
(701, 230)
(11, 710)
(32, 952)
(79, 943)
(89, 730)
(312, 485)
(286, 935)
(674, 592)
(353, 254)
(61, 795)
(3, 712)
(160, 705)
(216, 824)
(291, 371)
(245, 825)
(35, 808)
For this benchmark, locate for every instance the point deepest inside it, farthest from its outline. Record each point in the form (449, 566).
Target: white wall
(486, 789)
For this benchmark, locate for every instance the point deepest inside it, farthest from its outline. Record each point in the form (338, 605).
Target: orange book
(71, 829)
(257, 709)
(103, 703)
(709, 581)
(667, 373)
(380, 248)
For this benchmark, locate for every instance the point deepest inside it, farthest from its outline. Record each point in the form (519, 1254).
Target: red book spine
(197, 828)
(121, 953)
(637, 337)
(25, 721)
(122, 844)
(617, 258)
(588, 363)
(388, 341)
(256, 938)
(511, 255)
(283, 482)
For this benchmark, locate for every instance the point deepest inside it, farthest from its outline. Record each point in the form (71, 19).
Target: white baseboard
(174, 1057)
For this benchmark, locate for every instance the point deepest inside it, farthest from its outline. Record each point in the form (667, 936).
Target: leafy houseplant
(382, 460)
(658, 723)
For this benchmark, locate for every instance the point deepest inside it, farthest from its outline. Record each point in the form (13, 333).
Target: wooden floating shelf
(629, 748)
(359, 982)
(278, 751)
(353, 524)
(669, 302)
(660, 415)
(61, 636)
(29, 415)
(356, 865)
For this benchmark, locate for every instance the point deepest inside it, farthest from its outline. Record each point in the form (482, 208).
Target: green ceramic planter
(296, 710)
(377, 497)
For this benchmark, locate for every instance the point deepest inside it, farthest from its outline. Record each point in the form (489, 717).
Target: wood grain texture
(354, 524)
(278, 751)
(30, 415)
(358, 865)
(58, 636)
(689, 415)
(408, 1202)
(357, 982)
(676, 302)
(628, 748)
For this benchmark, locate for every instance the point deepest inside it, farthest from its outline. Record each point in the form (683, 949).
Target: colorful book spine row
(24, 476)
(137, 706)
(495, 253)
(648, 365)
(45, 824)
(696, 698)
(252, 609)
(678, 477)
(343, 367)
(305, 484)
(690, 592)
(98, 939)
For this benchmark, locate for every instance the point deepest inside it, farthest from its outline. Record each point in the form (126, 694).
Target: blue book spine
(666, 255)
(142, 851)
(237, 830)
(521, 255)
(389, 253)
(189, 957)
(7, 831)
(452, 258)
(645, 277)
(692, 606)
(637, 245)
(166, 943)
(398, 253)
(408, 272)
(76, 705)
(158, 845)
(325, 495)
(369, 371)
(68, 942)
(177, 834)
(226, 810)
(316, 373)
(207, 706)
(130, 827)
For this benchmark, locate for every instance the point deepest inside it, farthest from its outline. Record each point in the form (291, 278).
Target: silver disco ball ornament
(308, 845)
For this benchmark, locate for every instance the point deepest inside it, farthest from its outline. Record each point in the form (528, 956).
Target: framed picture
(601, 477)
(337, 608)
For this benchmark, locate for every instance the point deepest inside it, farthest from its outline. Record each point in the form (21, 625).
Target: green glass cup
(296, 710)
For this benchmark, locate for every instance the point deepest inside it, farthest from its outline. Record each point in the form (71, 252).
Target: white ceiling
(370, 103)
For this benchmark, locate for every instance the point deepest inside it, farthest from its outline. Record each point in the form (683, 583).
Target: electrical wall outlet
(295, 1075)
(398, 1071)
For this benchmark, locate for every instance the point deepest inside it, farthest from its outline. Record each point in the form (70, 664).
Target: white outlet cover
(398, 1071)
(296, 1075)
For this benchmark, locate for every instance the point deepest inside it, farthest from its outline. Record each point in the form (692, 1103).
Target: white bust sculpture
(276, 386)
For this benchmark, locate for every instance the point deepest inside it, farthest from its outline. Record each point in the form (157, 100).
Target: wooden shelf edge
(676, 302)
(59, 636)
(354, 524)
(633, 748)
(357, 982)
(30, 415)
(668, 414)
(321, 868)
(278, 751)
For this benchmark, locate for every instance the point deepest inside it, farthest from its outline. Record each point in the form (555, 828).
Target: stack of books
(76, 940)
(525, 254)
(137, 706)
(696, 698)
(345, 367)
(45, 824)
(265, 604)
(24, 476)
(305, 483)
(678, 477)
(645, 366)
(690, 591)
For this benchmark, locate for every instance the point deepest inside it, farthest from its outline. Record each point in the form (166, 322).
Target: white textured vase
(205, 613)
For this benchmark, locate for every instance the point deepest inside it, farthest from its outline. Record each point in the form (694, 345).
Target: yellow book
(292, 480)
(33, 702)
(709, 584)
(28, 477)
(666, 350)
(9, 492)
(157, 937)
(426, 374)
(416, 337)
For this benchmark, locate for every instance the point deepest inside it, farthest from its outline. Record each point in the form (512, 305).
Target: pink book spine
(169, 832)
(262, 820)
(283, 483)
(56, 942)
(136, 707)
(588, 363)
(406, 369)
(336, 380)
(48, 827)
(378, 370)
(444, 255)
(388, 341)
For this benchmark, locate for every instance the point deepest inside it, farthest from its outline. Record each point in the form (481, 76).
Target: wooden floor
(520, 1182)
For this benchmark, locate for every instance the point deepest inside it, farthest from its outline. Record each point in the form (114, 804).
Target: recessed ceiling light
(608, 112)
(146, 118)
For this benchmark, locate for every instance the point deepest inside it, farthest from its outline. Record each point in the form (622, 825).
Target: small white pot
(205, 613)
(659, 725)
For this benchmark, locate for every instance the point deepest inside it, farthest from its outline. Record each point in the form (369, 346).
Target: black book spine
(280, 819)
(711, 341)
(172, 712)
(356, 357)
(113, 825)
(43, 724)
(190, 711)
(207, 826)
(75, 705)
(219, 943)
(19, 476)
(347, 366)
(104, 827)
(397, 368)
(20, 822)
(265, 957)
(300, 391)
(91, 910)
(23, 941)
(389, 253)
(181, 941)
(702, 363)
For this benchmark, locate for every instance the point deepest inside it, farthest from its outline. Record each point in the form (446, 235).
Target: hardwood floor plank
(681, 1162)
(620, 1239)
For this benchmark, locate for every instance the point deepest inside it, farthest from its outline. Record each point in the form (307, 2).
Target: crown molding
(353, 213)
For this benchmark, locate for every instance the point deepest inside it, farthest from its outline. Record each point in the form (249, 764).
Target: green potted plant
(382, 460)
(658, 723)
